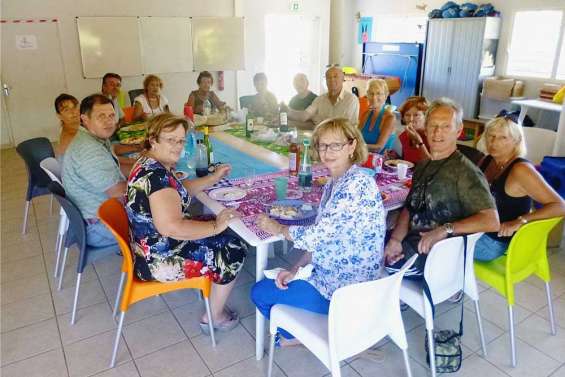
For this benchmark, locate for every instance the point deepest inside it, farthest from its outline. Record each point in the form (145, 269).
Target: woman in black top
(514, 183)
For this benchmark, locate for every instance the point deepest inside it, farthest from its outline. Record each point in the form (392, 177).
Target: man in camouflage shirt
(449, 195)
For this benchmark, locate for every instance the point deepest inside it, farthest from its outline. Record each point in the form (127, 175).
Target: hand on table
(224, 217)
(283, 278)
(221, 171)
(268, 225)
(429, 239)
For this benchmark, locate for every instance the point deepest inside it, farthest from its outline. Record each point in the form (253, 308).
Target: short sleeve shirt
(147, 109)
(346, 106)
(89, 169)
(445, 191)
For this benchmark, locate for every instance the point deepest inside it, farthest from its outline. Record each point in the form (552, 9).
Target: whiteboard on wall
(166, 44)
(218, 43)
(109, 44)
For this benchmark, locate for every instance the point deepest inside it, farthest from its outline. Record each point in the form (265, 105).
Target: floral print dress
(347, 238)
(167, 259)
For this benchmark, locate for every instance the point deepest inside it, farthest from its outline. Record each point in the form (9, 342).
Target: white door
(292, 45)
(32, 69)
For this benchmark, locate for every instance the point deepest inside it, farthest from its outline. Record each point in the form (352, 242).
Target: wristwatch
(448, 227)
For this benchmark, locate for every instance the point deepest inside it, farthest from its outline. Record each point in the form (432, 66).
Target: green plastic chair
(526, 255)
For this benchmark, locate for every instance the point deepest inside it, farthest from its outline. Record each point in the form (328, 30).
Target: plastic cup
(401, 170)
(281, 187)
(188, 112)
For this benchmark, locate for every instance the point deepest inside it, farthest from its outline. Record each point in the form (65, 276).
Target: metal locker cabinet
(455, 59)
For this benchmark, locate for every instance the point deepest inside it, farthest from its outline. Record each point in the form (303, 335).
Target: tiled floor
(162, 337)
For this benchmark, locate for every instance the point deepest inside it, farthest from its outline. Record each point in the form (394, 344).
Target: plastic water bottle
(207, 107)
(305, 172)
(201, 159)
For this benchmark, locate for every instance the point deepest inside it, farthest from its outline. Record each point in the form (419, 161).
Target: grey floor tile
(180, 359)
(48, 364)
(30, 341)
(26, 312)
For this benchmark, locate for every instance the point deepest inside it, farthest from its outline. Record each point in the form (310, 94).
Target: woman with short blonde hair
(151, 102)
(377, 123)
(345, 243)
(515, 184)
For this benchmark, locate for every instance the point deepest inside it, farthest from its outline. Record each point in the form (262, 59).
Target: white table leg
(262, 257)
(523, 111)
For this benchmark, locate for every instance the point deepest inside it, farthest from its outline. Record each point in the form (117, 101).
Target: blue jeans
(300, 294)
(98, 235)
(487, 248)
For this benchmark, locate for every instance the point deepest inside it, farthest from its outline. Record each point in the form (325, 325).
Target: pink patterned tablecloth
(261, 191)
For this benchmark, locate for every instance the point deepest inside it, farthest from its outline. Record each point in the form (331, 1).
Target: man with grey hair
(449, 194)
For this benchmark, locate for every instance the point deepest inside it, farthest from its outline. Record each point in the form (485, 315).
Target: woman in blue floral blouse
(168, 245)
(345, 245)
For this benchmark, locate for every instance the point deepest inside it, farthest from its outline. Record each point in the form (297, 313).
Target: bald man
(337, 102)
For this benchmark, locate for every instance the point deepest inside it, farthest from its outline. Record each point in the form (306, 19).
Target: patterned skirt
(220, 257)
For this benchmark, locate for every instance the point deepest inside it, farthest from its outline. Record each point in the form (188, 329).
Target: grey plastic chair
(33, 151)
(134, 93)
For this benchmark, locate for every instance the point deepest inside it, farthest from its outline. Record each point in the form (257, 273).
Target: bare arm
(525, 180)
(169, 220)
(195, 186)
(401, 228)
(216, 101)
(117, 191)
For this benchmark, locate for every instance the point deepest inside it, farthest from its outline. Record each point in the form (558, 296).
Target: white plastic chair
(539, 143)
(444, 274)
(360, 315)
(53, 169)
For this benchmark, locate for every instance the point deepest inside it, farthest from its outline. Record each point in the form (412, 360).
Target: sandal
(227, 325)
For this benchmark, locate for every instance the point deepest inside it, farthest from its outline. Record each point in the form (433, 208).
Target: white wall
(176, 85)
(352, 53)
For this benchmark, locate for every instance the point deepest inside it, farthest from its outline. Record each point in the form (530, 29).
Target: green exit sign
(295, 6)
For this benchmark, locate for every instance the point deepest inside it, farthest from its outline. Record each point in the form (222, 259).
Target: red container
(188, 112)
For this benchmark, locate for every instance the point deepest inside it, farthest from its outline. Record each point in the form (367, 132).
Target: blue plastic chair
(77, 235)
(33, 151)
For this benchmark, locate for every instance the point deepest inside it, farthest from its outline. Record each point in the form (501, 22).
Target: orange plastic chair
(113, 214)
(128, 114)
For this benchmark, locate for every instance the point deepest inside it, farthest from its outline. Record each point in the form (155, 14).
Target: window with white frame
(534, 46)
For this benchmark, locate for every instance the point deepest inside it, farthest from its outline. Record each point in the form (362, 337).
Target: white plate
(227, 194)
(181, 175)
(392, 164)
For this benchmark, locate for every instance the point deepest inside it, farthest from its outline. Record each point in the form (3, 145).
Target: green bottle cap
(306, 142)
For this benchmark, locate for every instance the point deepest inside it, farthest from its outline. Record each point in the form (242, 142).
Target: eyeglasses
(105, 117)
(173, 141)
(334, 147)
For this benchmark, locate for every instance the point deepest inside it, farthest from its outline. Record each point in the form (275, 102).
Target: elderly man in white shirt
(336, 103)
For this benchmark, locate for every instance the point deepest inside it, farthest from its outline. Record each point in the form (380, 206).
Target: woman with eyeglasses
(413, 139)
(345, 244)
(513, 182)
(167, 243)
(377, 124)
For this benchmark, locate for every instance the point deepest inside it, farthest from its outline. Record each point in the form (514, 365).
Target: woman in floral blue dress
(168, 245)
(345, 245)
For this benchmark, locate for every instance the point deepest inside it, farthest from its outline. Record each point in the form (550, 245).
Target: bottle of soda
(209, 149)
(207, 107)
(305, 172)
(293, 158)
(201, 159)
